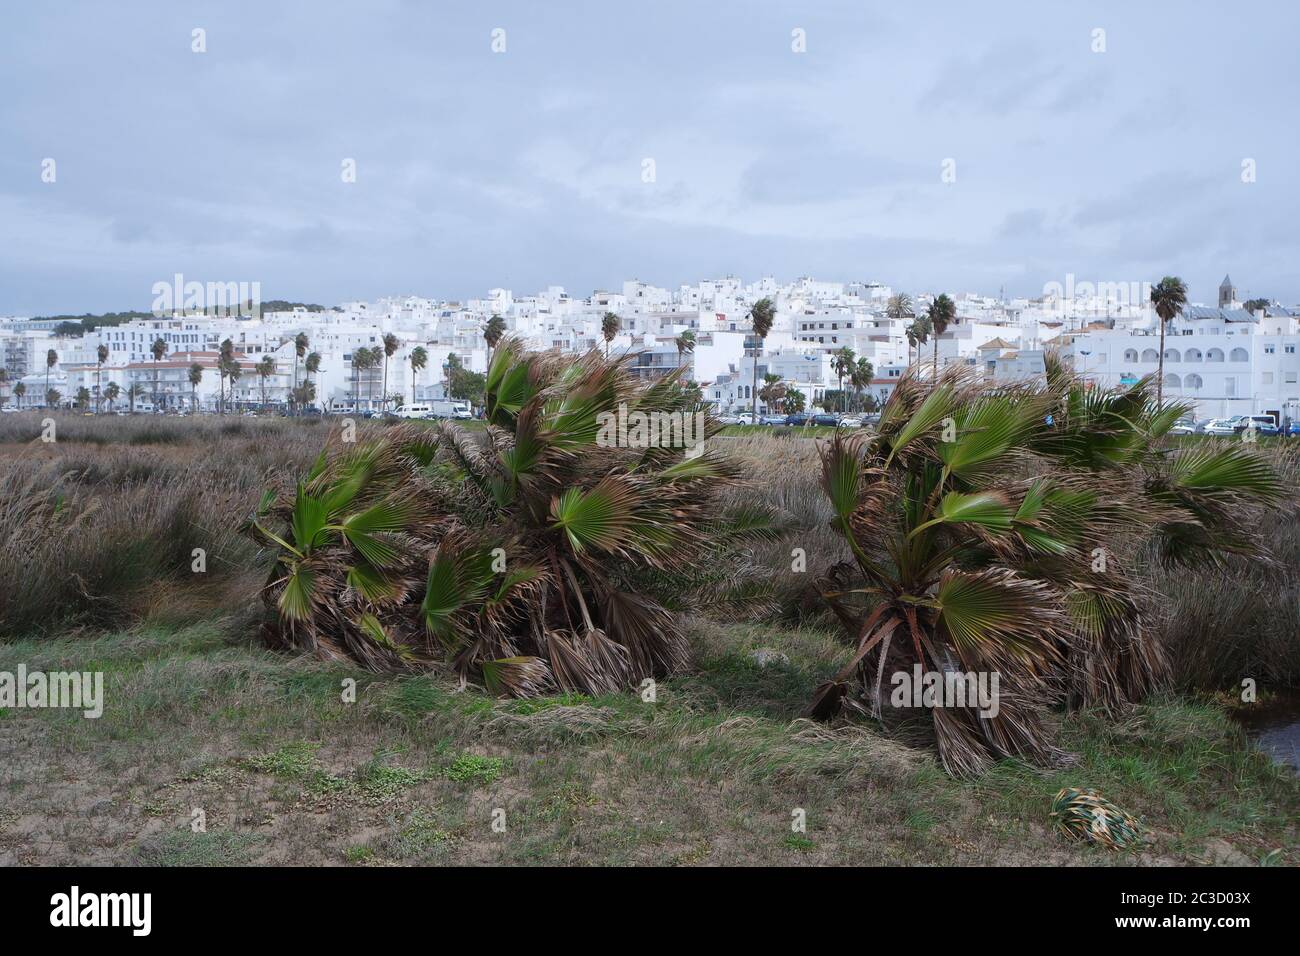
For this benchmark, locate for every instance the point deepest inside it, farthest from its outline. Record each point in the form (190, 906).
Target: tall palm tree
(19, 391)
(101, 356)
(941, 313)
(685, 344)
(762, 314)
(51, 360)
(111, 391)
(861, 375)
(265, 369)
(158, 349)
(225, 359)
(842, 362)
(493, 330)
(312, 366)
(772, 392)
(899, 306)
(609, 327)
(133, 391)
(1168, 296)
(419, 358)
(976, 554)
(195, 376)
(233, 371)
(918, 333)
(391, 345)
(300, 345)
(53, 397)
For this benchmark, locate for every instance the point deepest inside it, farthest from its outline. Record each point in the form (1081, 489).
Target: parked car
(1293, 430)
(1184, 426)
(415, 410)
(1263, 424)
(1218, 426)
(826, 418)
(799, 418)
(850, 421)
(772, 420)
(732, 420)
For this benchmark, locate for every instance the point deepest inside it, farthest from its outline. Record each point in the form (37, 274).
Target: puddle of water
(1274, 727)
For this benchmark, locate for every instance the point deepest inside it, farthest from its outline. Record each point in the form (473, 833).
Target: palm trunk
(1160, 366)
(383, 393)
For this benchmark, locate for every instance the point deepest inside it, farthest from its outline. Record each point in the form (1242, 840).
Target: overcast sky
(525, 168)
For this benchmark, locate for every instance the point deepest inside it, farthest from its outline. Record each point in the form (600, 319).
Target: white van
(415, 410)
(451, 409)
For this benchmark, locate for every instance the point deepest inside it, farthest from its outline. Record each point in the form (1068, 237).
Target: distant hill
(80, 324)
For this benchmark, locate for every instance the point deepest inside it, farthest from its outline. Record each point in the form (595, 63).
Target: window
(1240, 355)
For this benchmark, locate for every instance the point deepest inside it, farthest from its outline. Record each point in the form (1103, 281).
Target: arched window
(1192, 381)
(1171, 355)
(1173, 381)
(1240, 355)
(1214, 355)
(1192, 355)
(1150, 355)
(1130, 355)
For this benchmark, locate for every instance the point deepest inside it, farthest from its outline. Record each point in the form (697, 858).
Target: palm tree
(977, 554)
(941, 313)
(918, 333)
(265, 369)
(609, 327)
(53, 397)
(111, 391)
(19, 391)
(133, 391)
(391, 345)
(842, 362)
(101, 356)
(4, 380)
(685, 344)
(82, 399)
(51, 359)
(860, 376)
(772, 391)
(899, 306)
(419, 358)
(300, 344)
(1168, 296)
(158, 349)
(761, 314)
(793, 402)
(233, 371)
(196, 376)
(376, 562)
(225, 360)
(493, 330)
(312, 366)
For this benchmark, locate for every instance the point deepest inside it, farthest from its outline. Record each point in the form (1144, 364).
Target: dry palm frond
(1083, 816)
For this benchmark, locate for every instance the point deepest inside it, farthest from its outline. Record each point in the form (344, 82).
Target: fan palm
(19, 391)
(1168, 296)
(842, 364)
(195, 376)
(982, 522)
(158, 350)
(685, 344)
(899, 306)
(111, 392)
(51, 360)
(524, 555)
(265, 369)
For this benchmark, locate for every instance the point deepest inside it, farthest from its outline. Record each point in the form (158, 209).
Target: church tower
(1227, 293)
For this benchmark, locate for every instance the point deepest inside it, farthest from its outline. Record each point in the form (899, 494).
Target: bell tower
(1227, 293)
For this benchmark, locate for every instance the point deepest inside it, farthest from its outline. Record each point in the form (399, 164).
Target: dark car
(798, 418)
(826, 419)
(1293, 430)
